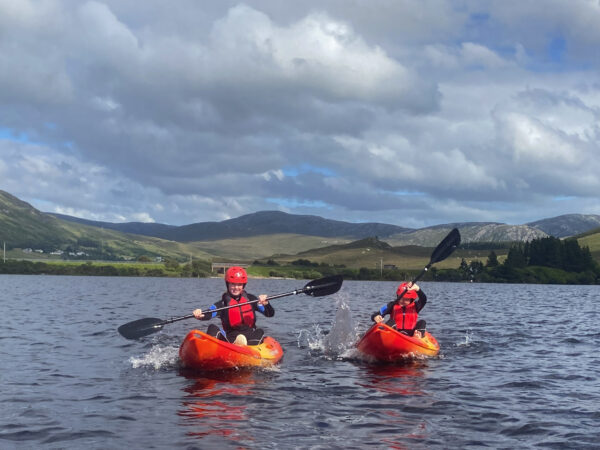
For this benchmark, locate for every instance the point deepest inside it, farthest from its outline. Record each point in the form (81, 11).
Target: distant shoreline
(499, 274)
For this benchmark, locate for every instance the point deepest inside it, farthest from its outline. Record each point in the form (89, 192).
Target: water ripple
(504, 378)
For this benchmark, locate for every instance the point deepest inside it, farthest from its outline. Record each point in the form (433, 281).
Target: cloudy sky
(409, 112)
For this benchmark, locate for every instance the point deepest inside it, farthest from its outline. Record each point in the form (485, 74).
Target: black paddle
(441, 252)
(143, 327)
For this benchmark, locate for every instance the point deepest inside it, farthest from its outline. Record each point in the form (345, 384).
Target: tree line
(170, 268)
(546, 260)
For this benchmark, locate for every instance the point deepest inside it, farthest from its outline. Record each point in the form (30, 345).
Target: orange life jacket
(405, 316)
(244, 314)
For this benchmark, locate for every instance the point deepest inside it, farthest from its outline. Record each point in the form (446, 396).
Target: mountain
(470, 232)
(265, 223)
(249, 225)
(567, 225)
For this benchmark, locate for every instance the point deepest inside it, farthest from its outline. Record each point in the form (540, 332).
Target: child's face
(404, 301)
(235, 288)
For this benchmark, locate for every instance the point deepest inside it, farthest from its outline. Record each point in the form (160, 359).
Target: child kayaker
(404, 310)
(238, 323)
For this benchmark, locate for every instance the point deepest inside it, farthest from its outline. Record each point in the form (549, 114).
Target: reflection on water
(402, 387)
(214, 404)
(404, 379)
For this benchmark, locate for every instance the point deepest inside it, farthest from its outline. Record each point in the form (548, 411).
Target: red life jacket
(405, 316)
(241, 315)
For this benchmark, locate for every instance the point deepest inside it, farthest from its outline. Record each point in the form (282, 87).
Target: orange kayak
(203, 352)
(386, 344)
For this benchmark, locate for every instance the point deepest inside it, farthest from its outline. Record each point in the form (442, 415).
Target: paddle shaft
(210, 311)
(441, 252)
(417, 278)
(153, 327)
(143, 327)
(272, 297)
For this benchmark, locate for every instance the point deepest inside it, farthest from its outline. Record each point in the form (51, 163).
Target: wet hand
(378, 319)
(262, 300)
(198, 314)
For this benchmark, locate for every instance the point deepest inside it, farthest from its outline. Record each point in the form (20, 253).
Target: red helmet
(409, 294)
(236, 274)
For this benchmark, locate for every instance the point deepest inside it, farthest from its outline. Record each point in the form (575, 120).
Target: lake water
(519, 368)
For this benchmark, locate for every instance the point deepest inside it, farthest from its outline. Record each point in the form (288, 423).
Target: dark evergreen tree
(587, 260)
(476, 268)
(464, 269)
(545, 252)
(492, 260)
(516, 257)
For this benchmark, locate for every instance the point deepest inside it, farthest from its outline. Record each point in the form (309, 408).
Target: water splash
(159, 357)
(313, 338)
(468, 339)
(342, 335)
(337, 342)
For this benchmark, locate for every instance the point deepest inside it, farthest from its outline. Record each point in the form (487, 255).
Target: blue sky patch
(557, 48)
(307, 168)
(409, 193)
(7, 133)
(292, 203)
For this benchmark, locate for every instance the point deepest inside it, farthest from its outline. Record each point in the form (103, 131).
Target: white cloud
(103, 38)
(467, 56)
(533, 143)
(105, 104)
(476, 54)
(142, 217)
(317, 55)
(148, 112)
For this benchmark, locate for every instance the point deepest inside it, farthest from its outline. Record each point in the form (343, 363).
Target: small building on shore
(221, 268)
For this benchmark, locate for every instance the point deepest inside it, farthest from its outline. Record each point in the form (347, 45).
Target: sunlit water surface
(519, 368)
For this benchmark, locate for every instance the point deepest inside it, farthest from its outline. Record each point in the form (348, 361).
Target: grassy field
(127, 264)
(408, 258)
(93, 268)
(257, 247)
(593, 242)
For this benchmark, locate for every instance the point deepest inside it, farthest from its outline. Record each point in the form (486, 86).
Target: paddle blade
(140, 328)
(446, 247)
(324, 286)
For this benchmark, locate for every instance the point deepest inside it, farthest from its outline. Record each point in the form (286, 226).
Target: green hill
(373, 253)
(591, 239)
(24, 227)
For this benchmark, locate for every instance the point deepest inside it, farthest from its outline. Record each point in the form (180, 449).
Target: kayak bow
(200, 351)
(384, 343)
